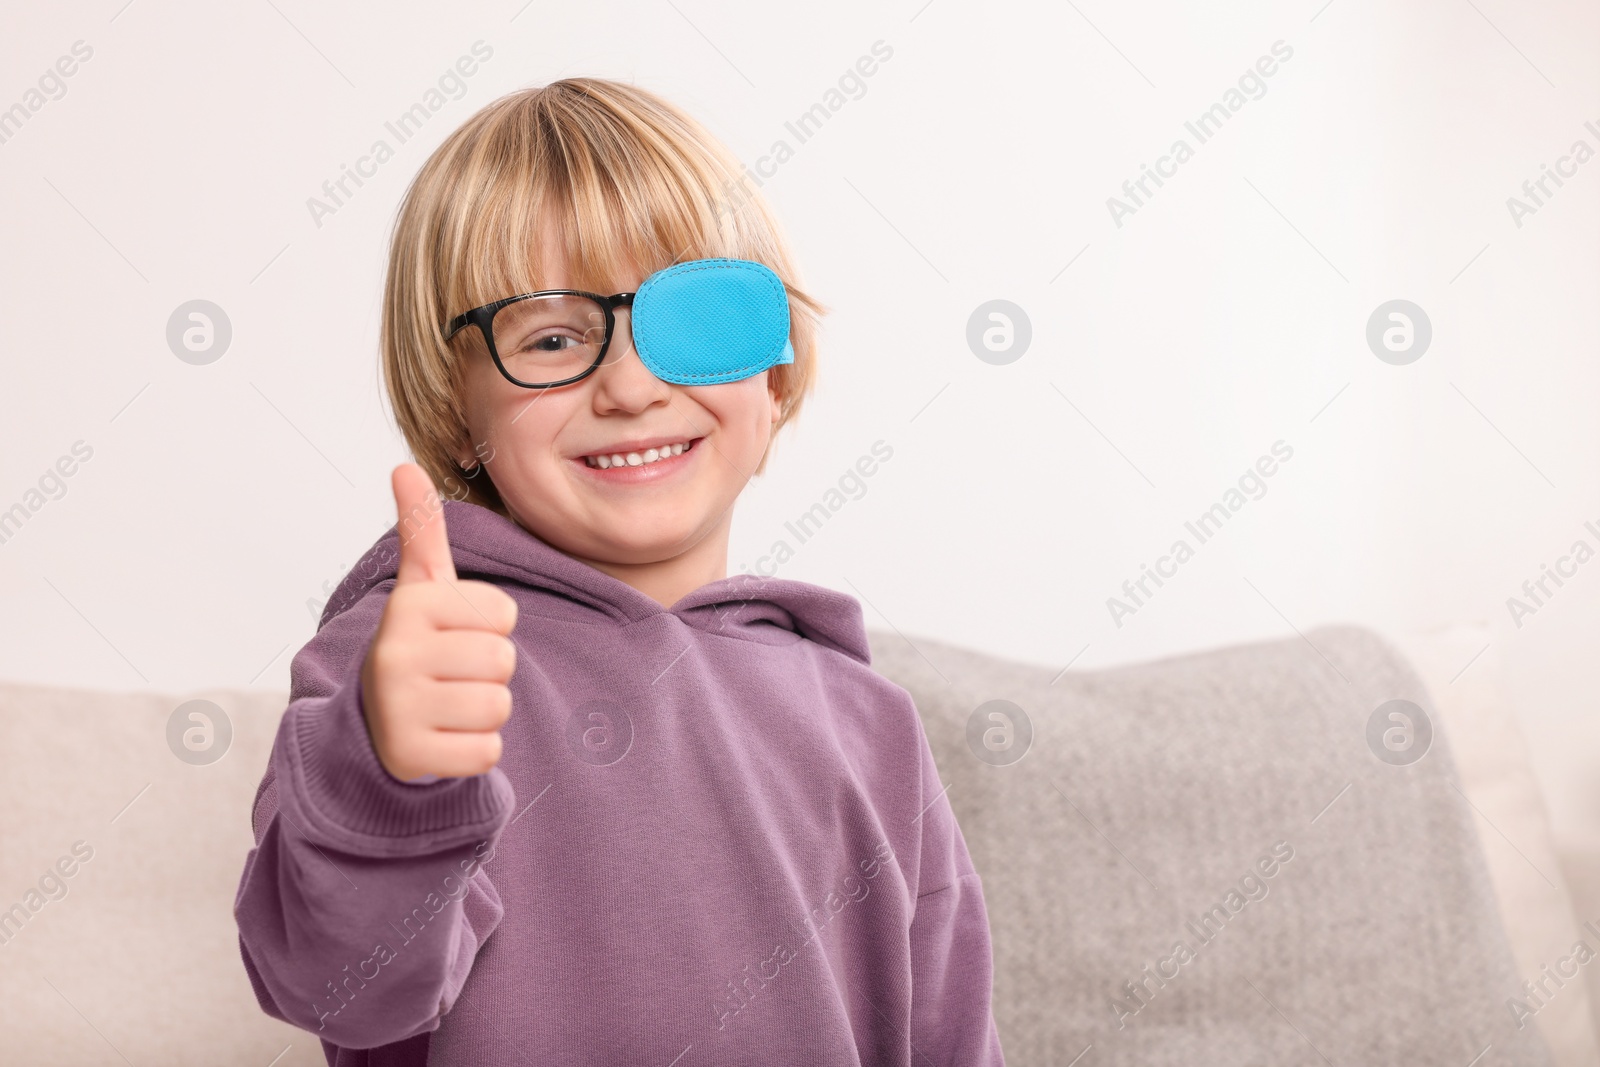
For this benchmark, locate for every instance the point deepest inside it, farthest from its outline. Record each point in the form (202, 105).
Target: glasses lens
(548, 339)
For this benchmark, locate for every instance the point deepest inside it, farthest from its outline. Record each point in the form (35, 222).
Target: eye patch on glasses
(696, 323)
(711, 320)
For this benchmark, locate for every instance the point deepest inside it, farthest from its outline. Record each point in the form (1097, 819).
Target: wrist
(351, 800)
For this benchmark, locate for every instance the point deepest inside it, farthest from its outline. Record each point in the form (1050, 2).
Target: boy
(552, 787)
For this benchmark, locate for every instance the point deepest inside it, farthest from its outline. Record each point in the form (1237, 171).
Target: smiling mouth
(644, 458)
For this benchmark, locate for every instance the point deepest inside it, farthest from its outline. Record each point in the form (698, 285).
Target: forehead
(563, 256)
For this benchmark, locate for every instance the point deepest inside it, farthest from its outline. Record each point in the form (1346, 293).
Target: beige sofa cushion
(139, 961)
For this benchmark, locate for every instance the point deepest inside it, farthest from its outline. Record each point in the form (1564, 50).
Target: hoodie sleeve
(952, 969)
(365, 899)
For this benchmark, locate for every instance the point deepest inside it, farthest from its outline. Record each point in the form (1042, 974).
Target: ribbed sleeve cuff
(350, 800)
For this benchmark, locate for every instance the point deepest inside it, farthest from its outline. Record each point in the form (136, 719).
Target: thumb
(424, 549)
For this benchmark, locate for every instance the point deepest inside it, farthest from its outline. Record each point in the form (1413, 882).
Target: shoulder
(343, 634)
(873, 715)
(377, 566)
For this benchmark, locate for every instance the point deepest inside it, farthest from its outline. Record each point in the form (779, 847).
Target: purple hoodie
(715, 836)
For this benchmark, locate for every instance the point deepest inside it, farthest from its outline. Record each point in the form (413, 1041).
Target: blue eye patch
(711, 320)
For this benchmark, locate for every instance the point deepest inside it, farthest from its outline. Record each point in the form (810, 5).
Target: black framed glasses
(545, 339)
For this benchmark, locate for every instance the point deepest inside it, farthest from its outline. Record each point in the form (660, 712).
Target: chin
(638, 543)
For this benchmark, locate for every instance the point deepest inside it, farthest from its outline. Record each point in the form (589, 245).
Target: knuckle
(495, 604)
(471, 706)
(488, 705)
(490, 752)
(501, 704)
(407, 599)
(414, 605)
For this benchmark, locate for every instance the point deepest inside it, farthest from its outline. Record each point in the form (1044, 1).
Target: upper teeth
(636, 459)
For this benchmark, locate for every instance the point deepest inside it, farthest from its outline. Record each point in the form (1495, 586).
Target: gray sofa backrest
(1202, 860)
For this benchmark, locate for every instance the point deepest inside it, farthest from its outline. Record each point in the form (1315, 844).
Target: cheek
(478, 402)
(744, 406)
(520, 430)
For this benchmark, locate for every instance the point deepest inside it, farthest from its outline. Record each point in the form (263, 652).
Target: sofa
(1233, 856)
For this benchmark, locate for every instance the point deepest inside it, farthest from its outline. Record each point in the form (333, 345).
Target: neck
(668, 581)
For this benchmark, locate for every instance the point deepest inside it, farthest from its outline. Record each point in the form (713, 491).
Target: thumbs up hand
(433, 683)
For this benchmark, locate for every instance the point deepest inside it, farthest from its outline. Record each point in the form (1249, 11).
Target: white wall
(1227, 313)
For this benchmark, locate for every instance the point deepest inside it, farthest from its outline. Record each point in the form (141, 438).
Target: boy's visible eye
(551, 343)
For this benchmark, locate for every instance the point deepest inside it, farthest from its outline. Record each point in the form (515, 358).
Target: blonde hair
(627, 176)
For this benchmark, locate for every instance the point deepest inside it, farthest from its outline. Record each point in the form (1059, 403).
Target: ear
(462, 454)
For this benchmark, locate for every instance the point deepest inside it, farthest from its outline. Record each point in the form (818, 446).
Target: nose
(622, 378)
(622, 332)
(621, 346)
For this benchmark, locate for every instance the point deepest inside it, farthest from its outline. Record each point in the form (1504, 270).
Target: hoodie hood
(489, 546)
